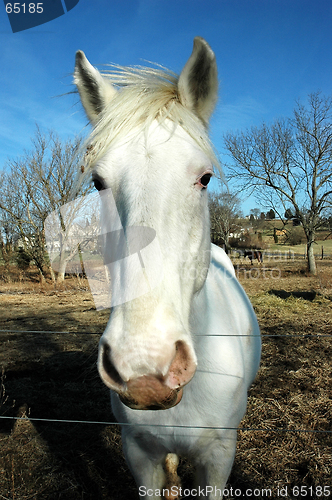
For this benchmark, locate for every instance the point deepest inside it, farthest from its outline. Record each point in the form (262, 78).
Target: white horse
(190, 347)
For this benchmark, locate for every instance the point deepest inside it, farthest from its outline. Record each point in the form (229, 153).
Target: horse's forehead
(161, 149)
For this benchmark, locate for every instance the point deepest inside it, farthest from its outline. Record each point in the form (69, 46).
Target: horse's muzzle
(137, 398)
(152, 391)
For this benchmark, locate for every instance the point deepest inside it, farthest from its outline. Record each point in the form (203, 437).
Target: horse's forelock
(144, 94)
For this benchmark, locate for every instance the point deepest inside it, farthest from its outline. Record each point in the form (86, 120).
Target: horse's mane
(145, 94)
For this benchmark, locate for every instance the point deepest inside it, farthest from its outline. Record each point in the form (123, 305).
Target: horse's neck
(220, 259)
(203, 311)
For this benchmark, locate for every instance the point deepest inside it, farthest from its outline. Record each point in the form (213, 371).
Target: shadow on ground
(65, 460)
(283, 294)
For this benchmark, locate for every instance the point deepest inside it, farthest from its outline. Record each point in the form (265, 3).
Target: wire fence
(95, 422)
(209, 427)
(302, 335)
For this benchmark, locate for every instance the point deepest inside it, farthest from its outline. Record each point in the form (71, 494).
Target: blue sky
(269, 53)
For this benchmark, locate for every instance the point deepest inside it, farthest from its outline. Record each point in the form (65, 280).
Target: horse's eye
(98, 184)
(205, 179)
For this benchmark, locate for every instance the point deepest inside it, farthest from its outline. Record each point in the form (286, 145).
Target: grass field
(53, 376)
(301, 249)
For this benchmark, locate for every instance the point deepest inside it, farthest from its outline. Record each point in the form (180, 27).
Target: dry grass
(54, 376)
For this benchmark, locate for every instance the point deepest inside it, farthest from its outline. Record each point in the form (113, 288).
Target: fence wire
(96, 422)
(302, 335)
(93, 422)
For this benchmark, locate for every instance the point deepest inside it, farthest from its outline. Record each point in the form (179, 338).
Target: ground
(53, 376)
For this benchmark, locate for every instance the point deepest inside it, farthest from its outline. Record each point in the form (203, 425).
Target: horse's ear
(95, 91)
(198, 81)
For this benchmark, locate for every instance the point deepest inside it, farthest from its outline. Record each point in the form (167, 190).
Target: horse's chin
(172, 400)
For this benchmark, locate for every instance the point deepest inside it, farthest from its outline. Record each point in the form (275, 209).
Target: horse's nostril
(108, 366)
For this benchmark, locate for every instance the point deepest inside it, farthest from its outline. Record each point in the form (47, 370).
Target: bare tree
(224, 214)
(36, 184)
(289, 164)
(7, 231)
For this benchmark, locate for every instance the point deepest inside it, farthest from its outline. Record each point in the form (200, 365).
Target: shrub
(295, 236)
(22, 259)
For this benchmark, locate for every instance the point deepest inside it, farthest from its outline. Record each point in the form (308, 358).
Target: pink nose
(151, 391)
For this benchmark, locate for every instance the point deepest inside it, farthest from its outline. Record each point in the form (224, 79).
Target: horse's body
(190, 347)
(216, 397)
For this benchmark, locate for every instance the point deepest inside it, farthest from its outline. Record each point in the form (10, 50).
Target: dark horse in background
(254, 254)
